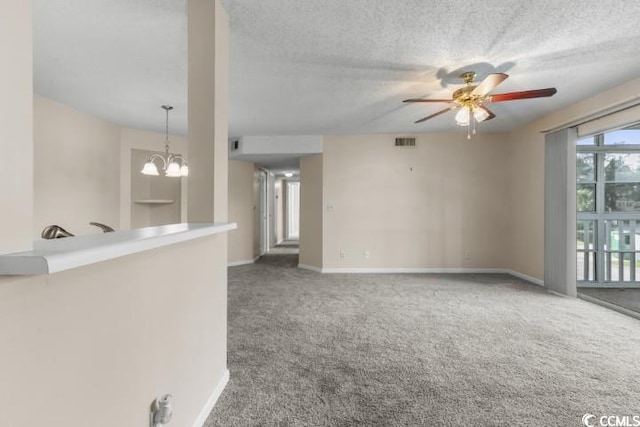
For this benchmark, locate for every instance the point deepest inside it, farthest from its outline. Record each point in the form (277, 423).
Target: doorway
(283, 211)
(293, 211)
(608, 217)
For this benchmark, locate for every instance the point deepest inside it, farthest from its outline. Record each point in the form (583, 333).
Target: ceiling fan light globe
(184, 170)
(463, 116)
(480, 114)
(150, 169)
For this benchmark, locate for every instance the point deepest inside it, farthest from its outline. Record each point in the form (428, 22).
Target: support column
(560, 212)
(16, 127)
(208, 110)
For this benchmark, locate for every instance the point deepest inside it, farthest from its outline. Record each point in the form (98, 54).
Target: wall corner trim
(245, 262)
(213, 399)
(525, 277)
(311, 268)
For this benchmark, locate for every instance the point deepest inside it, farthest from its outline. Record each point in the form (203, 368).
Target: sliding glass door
(608, 204)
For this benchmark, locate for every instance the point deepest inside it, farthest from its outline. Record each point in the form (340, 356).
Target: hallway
(286, 247)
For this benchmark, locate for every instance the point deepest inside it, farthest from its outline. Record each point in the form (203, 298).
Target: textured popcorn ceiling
(334, 66)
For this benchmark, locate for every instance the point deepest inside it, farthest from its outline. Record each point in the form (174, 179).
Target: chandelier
(173, 165)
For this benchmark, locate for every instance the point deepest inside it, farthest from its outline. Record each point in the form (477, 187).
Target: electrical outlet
(366, 254)
(343, 255)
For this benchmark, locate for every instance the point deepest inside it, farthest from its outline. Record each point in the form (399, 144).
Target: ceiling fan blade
(491, 115)
(527, 94)
(428, 100)
(435, 115)
(489, 83)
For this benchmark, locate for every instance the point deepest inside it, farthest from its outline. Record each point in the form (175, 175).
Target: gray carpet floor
(307, 349)
(288, 244)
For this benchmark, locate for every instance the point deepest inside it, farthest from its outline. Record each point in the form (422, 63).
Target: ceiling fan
(471, 100)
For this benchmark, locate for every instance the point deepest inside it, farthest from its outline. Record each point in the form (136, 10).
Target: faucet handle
(103, 227)
(55, 232)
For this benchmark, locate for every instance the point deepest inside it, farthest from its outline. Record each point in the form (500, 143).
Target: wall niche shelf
(154, 202)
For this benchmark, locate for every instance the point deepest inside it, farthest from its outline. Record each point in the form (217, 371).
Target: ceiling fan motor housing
(463, 95)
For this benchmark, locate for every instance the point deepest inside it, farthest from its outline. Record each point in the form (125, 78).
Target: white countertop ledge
(53, 256)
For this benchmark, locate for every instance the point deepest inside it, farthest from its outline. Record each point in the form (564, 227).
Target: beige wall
(442, 204)
(84, 169)
(242, 209)
(311, 211)
(473, 204)
(95, 345)
(208, 52)
(16, 129)
(526, 176)
(526, 201)
(76, 169)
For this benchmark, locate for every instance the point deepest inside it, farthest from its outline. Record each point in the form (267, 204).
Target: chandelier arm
(158, 156)
(179, 157)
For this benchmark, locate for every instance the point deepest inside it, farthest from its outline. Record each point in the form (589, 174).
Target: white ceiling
(334, 66)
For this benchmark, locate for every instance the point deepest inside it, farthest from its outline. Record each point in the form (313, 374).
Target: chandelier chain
(166, 108)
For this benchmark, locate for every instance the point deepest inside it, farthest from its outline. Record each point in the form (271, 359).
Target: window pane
(586, 266)
(589, 140)
(586, 234)
(585, 167)
(586, 197)
(586, 246)
(621, 256)
(622, 167)
(628, 136)
(622, 197)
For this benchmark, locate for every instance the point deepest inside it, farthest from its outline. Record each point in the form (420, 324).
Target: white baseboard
(310, 268)
(525, 277)
(410, 270)
(217, 392)
(519, 275)
(239, 263)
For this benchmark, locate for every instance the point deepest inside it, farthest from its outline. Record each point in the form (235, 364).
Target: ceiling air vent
(405, 142)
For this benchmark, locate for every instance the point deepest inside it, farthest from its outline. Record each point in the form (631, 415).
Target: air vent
(405, 142)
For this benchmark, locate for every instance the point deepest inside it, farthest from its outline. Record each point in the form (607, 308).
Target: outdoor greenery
(622, 177)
